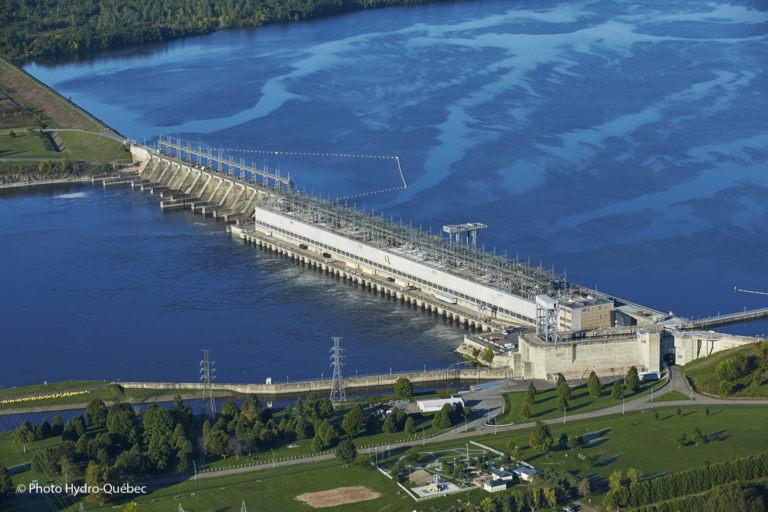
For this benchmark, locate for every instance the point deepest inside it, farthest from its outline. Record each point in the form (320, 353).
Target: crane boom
(749, 291)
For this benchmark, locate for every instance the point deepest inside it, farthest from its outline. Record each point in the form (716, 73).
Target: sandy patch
(338, 496)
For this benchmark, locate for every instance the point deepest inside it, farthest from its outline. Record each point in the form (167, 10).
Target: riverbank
(31, 39)
(38, 181)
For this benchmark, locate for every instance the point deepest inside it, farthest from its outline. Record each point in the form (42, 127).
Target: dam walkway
(450, 377)
(750, 315)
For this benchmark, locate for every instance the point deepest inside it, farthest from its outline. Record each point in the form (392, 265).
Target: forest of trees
(37, 28)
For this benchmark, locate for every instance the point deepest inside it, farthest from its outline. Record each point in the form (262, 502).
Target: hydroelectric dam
(450, 277)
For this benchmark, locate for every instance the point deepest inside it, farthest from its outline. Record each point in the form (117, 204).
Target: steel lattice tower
(338, 396)
(207, 370)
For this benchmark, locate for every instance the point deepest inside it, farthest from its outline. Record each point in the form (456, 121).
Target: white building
(495, 485)
(503, 474)
(435, 404)
(527, 474)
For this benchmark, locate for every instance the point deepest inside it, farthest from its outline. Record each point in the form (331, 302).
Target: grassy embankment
(545, 406)
(27, 107)
(751, 379)
(67, 395)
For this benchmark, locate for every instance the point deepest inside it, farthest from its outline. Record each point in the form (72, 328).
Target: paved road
(488, 402)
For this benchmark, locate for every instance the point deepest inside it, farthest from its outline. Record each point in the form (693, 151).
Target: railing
(726, 318)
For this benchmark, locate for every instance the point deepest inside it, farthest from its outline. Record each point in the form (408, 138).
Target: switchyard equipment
(470, 228)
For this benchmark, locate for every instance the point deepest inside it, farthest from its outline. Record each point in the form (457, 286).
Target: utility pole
(207, 370)
(338, 396)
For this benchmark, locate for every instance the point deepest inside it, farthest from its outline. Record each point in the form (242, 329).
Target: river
(624, 143)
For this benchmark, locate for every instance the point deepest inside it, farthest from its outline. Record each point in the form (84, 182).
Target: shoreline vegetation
(36, 180)
(78, 28)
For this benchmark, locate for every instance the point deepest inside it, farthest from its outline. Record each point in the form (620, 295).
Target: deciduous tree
(541, 437)
(346, 451)
(353, 421)
(403, 388)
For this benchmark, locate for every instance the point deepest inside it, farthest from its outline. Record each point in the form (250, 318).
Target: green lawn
(545, 406)
(671, 396)
(24, 145)
(50, 387)
(93, 148)
(12, 452)
(638, 440)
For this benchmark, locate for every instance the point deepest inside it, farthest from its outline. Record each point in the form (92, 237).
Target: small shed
(527, 474)
(503, 474)
(495, 485)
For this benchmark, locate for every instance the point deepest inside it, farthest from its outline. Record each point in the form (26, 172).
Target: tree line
(744, 497)
(36, 28)
(639, 493)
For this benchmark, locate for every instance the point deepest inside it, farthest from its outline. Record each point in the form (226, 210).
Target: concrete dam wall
(437, 377)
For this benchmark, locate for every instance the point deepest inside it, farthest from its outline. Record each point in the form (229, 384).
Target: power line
(338, 396)
(207, 370)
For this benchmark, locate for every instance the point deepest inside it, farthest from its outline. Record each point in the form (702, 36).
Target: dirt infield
(338, 496)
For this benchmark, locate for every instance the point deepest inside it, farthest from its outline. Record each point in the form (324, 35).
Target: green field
(671, 396)
(25, 145)
(545, 406)
(273, 490)
(638, 440)
(93, 148)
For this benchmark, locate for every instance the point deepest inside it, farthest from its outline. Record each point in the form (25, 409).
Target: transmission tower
(207, 370)
(338, 396)
(243, 508)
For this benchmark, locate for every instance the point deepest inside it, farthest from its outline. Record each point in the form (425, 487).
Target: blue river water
(622, 142)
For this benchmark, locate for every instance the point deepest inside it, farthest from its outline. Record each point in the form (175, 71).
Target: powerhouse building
(495, 287)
